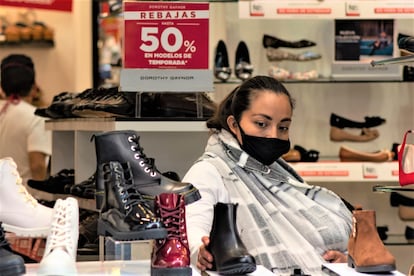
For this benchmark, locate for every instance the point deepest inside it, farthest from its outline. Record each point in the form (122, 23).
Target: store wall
(316, 101)
(68, 65)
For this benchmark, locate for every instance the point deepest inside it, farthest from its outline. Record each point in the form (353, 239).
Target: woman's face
(269, 115)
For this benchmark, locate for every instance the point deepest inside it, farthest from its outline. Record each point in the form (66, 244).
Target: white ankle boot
(19, 211)
(61, 244)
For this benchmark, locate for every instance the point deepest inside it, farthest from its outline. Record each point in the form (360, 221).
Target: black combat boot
(123, 146)
(125, 215)
(230, 254)
(10, 264)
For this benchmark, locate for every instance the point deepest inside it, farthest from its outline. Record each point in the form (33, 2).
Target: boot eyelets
(153, 174)
(141, 163)
(146, 170)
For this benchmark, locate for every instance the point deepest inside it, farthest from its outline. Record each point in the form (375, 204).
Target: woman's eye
(261, 124)
(284, 128)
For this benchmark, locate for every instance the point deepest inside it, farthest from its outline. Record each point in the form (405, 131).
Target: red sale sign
(58, 5)
(166, 35)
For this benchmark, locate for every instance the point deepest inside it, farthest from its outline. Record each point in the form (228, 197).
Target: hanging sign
(166, 42)
(59, 5)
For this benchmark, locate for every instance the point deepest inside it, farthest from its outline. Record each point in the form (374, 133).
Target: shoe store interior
(124, 139)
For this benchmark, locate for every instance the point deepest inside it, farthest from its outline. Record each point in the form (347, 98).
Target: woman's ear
(232, 123)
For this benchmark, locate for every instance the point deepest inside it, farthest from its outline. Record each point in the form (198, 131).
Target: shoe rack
(317, 99)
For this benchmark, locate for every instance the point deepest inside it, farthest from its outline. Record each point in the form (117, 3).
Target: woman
(304, 225)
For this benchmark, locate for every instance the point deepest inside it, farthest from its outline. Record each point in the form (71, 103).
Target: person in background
(22, 134)
(284, 222)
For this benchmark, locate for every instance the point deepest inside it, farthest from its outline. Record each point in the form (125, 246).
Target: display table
(141, 268)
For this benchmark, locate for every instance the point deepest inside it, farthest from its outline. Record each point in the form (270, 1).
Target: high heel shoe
(243, 67)
(341, 122)
(222, 70)
(274, 42)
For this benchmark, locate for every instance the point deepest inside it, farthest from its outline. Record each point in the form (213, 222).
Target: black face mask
(265, 150)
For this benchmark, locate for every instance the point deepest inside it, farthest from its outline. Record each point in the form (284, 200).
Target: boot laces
(130, 196)
(60, 230)
(173, 219)
(146, 162)
(22, 189)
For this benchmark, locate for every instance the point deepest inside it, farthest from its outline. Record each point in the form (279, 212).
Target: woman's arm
(199, 215)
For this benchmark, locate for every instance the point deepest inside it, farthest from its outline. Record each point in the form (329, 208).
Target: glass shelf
(397, 239)
(389, 189)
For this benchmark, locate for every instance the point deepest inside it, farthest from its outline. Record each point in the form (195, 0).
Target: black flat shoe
(397, 199)
(341, 122)
(406, 43)
(243, 67)
(409, 233)
(274, 42)
(307, 156)
(222, 70)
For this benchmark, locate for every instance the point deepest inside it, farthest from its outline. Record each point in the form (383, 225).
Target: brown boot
(366, 252)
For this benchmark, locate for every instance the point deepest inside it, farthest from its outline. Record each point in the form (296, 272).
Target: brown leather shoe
(346, 154)
(339, 135)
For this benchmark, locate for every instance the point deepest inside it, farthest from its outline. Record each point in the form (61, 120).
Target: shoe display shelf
(173, 144)
(30, 44)
(330, 171)
(325, 10)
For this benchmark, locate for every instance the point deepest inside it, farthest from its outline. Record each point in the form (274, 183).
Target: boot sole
(237, 269)
(370, 269)
(13, 270)
(26, 232)
(105, 229)
(171, 271)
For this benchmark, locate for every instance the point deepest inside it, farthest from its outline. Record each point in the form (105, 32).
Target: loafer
(274, 42)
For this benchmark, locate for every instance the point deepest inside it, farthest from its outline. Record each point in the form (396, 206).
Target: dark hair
(17, 75)
(240, 98)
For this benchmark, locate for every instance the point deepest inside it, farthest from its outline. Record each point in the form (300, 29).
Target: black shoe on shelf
(406, 42)
(274, 42)
(222, 70)
(85, 189)
(341, 122)
(243, 68)
(59, 183)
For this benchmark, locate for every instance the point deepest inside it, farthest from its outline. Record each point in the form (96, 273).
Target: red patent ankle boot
(171, 256)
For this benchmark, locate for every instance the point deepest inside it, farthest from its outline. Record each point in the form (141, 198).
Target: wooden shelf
(108, 124)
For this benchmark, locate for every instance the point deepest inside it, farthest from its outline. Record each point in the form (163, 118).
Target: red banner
(58, 5)
(166, 35)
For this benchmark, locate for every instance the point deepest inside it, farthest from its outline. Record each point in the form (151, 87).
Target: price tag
(161, 39)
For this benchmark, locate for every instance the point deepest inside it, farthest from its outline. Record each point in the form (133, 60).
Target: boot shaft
(170, 208)
(225, 221)
(366, 250)
(122, 194)
(124, 146)
(228, 250)
(172, 251)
